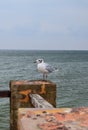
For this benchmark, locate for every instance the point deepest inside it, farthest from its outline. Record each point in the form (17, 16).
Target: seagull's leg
(46, 76)
(43, 76)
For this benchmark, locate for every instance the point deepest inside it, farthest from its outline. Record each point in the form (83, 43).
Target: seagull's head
(38, 61)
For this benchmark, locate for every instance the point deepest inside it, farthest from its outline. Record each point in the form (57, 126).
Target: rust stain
(26, 94)
(52, 126)
(19, 82)
(43, 91)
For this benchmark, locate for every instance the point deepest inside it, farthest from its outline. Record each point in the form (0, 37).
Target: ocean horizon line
(38, 50)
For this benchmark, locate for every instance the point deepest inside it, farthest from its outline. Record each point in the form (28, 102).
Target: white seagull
(44, 68)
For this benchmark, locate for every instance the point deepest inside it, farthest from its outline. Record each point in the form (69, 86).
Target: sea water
(71, 79)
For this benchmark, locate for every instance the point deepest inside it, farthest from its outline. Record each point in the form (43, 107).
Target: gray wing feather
(50, 68)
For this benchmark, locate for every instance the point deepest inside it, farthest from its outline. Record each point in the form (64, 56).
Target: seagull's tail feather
(56, 69)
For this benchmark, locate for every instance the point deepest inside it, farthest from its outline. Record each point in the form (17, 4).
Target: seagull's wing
(49, 68)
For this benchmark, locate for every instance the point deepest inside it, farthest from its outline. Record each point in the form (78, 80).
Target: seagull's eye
(40, 61)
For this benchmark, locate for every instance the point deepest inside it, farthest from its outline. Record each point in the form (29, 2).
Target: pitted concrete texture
(53, 119)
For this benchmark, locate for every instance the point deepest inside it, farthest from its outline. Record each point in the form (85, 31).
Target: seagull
(44, 68)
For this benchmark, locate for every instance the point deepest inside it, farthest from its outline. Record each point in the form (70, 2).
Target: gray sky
(44, 24)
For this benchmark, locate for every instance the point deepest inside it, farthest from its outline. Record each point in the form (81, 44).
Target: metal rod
(4, 93)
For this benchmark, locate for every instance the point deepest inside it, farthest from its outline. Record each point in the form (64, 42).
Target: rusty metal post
(20, 91)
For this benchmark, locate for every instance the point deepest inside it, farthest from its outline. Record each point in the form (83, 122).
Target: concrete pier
(53, 119)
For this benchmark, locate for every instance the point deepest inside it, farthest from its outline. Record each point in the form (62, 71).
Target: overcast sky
(44, 24)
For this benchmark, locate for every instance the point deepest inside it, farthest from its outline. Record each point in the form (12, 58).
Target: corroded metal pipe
(4, 93)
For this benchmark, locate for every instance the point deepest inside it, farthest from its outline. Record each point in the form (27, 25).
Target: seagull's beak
(34, 61)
